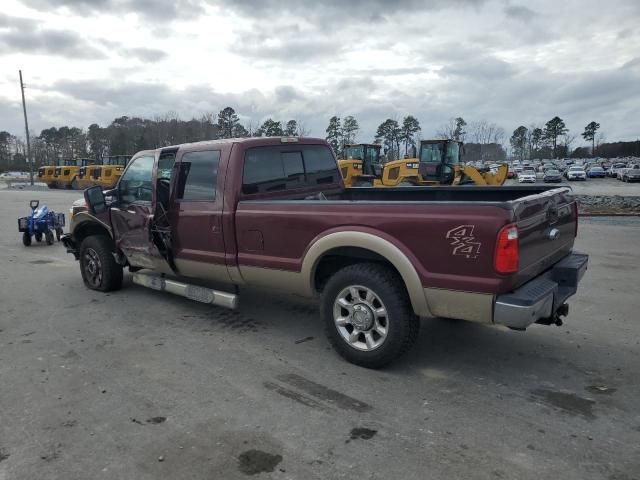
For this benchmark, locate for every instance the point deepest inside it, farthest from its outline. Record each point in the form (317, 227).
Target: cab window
(198, 176)
(136, 185)
(270, 169)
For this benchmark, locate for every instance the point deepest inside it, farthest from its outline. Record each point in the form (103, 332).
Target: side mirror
(94, 197)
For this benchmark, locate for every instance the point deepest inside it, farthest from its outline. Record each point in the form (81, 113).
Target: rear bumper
(540, 299)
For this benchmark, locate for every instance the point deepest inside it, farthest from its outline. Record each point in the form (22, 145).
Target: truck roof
(248, 142)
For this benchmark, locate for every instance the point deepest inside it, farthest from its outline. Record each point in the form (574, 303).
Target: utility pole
(26, 128)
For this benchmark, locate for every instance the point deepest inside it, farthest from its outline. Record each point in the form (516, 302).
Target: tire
(59, 233)
(51, 185)
(398, 327)
(74, 184)
(38, 237)
(98, 267)
(26, 239)
(48, 236)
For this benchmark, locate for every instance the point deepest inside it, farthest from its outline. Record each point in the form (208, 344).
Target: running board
(192, 292)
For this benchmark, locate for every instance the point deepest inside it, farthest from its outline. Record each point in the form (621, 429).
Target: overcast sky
(510, 62)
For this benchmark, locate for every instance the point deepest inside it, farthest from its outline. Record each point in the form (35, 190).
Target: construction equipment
(111, 170)
(438, 163)
(361, 164)
(106, 175)
(45, 175)
(66, 173)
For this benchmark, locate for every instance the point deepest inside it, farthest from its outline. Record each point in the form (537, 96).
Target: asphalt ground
(137, 384)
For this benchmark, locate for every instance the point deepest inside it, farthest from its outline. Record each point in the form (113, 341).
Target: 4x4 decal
(463, 241)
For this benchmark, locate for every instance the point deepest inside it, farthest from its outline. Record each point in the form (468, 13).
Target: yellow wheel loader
(361, 164)
(438, 163)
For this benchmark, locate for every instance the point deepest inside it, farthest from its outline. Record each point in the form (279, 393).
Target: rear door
(196, 214)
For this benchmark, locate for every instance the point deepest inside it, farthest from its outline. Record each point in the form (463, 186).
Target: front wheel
(48, 236)
(59, 233)
(26, 239)
(98, 266)
(368, 316)
(38, 237)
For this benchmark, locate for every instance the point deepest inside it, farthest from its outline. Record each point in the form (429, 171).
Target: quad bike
(42, 223)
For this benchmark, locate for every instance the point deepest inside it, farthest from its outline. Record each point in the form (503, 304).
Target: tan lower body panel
(291, 282)
(475, 307)
(208, 271)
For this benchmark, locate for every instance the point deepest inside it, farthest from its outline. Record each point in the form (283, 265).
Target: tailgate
(547, 224)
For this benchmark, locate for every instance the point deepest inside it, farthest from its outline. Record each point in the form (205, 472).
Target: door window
(199, 176)
(135, 185)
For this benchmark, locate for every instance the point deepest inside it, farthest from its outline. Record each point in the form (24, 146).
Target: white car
(576, 173)
(527, 176)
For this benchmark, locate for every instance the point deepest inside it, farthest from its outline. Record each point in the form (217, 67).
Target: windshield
(354, 153)
(453, 153)
(431, 153)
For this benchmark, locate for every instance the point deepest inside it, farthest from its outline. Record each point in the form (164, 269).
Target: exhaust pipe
(192, 292)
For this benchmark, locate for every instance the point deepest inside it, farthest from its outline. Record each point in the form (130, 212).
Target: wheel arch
(355, 245)
(86, 225)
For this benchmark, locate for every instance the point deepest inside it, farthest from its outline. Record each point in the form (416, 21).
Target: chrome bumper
(540, 299)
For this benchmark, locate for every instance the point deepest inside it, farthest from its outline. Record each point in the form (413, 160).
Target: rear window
(270, 169)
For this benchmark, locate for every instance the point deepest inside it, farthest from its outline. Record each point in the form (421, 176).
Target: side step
(192, 292)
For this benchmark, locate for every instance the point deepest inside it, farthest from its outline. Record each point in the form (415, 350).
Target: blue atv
(42, 223)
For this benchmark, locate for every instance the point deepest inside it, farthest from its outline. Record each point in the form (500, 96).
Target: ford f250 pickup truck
(274, 213)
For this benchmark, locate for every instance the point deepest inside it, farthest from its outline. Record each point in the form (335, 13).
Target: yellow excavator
(438, 163)
(361, 164)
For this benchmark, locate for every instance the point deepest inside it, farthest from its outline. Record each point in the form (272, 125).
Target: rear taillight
(507, 259)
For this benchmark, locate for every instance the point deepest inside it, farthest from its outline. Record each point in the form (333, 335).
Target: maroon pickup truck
(274, 213)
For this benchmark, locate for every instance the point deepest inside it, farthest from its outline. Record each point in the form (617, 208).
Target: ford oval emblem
(554, 234)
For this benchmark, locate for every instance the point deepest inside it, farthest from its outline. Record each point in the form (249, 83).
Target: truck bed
(420, 221)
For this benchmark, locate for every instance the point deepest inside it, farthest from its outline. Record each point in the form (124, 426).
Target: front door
(196, 216)
(132, 212)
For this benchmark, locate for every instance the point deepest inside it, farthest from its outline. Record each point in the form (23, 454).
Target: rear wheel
(26, 239)
(368, 316)
(98, 266)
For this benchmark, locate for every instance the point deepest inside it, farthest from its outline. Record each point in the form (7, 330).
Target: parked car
(527, 176)
(596, 172)
(576, 173)
(631, 174)
(274, 213)
(613, 171)
(552, 176)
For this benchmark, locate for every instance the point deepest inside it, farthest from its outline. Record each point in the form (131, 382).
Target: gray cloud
(24, 35)
(158, 10)
(519, 12)
(144, 54)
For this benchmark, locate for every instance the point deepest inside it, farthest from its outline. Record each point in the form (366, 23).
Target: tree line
(128, 135)
(483, 140)
(554, 140)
